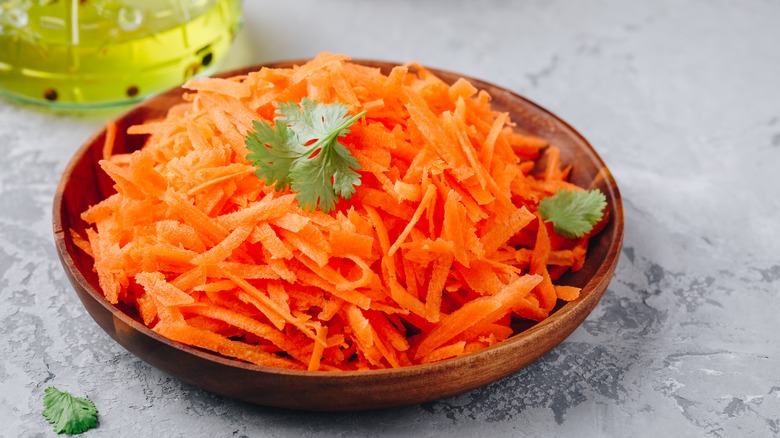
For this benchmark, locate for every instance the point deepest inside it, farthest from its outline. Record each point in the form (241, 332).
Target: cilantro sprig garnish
(301, 151)
(69, 414)
(573, 213)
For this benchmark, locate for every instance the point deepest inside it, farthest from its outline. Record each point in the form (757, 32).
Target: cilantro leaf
(273, 163)
(573, 214)
(68, 414)
(312, 121)
(302, 151)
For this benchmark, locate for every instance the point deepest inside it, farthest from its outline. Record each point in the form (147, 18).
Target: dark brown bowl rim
(556, 319)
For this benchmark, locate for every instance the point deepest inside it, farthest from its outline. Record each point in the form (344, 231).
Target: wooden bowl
(83, 184)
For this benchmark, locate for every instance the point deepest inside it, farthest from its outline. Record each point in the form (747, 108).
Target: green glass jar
(96, 53)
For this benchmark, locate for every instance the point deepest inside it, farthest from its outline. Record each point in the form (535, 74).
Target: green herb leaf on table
(69, 414)
(573, 213)
(302, 152)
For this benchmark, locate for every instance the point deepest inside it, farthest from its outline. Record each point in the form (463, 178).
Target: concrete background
(680, 98)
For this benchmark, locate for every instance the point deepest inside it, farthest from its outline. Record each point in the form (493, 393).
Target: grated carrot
(433, 257)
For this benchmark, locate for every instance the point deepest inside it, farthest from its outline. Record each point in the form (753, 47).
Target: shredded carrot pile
(435, 255)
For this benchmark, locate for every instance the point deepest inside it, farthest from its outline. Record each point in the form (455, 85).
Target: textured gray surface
(681, 99)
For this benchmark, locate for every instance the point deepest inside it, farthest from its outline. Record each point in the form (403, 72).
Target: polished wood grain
(84, 184)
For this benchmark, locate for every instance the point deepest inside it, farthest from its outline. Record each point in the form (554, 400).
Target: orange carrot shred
(319, 347)
(108, 144)
(439, 274)
(567, 293)
(445, 352)
(161, 290)
(427, 198)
